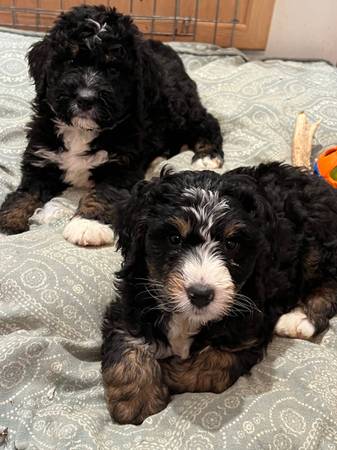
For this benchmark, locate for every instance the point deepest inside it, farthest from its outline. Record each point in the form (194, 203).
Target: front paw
(13, 222)
(85, 232)
(135, 395)
(207, 162)
(295, 324)
(138, 405)
(206, 157)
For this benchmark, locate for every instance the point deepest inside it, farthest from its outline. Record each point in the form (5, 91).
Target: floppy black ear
(148, 77)
(129, 212)
(38, 62)
(131, 223)
(244, 189)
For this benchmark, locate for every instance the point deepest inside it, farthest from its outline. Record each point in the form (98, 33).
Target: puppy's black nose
(85, 102)
(200, 295)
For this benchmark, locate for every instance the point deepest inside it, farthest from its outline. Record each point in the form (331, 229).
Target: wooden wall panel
(190, 20)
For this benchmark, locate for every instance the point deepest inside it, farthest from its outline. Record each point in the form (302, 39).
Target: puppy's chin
(212, 312)
(84, 123)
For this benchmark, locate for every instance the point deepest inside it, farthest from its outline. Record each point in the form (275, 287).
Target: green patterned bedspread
(53, 294)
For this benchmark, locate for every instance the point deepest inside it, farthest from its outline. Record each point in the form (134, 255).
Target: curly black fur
(100, 86)
(272, 228)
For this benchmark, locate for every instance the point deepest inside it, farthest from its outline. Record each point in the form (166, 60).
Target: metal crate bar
(235, 21)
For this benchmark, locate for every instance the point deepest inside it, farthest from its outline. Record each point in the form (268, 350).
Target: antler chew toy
(302, 141)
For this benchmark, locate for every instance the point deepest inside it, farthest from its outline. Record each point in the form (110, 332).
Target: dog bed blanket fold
(53, 294)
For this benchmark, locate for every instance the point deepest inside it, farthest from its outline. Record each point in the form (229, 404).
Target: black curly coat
(108, 102)
(211, 263)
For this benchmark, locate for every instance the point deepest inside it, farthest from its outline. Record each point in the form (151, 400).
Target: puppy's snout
(200, 295)
(85, 102)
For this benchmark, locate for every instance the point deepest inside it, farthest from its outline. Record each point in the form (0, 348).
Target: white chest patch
(180, 335)
(75, 161)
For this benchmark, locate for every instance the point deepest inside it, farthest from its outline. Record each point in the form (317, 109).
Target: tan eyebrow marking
(232, 228)
(183, 225)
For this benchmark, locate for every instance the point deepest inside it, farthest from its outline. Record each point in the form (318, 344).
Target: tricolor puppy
(108, 103)
(212, 264)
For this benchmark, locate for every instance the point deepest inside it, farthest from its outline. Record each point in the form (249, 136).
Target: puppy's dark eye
(175, 239)
(231, 244)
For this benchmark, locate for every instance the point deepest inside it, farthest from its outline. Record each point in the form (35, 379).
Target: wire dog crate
(215, 21)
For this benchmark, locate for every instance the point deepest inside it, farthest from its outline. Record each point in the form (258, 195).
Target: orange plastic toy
(326, 166)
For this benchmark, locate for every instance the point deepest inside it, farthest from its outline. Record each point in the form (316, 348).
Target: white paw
(85, 232)
(207, 163)
(295, 324)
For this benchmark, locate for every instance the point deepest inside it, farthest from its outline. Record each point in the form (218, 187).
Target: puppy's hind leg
(16, 210)
(207, 144)
(313, 316)
(36, 188)
(321, 305)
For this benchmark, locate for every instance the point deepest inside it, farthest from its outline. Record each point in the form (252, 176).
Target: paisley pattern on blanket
(53, 294)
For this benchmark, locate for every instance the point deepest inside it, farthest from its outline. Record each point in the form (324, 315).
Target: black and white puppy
(108, 102)
(212, 264)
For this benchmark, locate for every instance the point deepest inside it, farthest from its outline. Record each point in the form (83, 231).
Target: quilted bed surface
(53, 294)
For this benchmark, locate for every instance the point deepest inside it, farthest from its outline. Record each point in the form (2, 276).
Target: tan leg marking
(209, 371)
(14, 218)
(134, 388)
(88, 227)
(152, 170)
